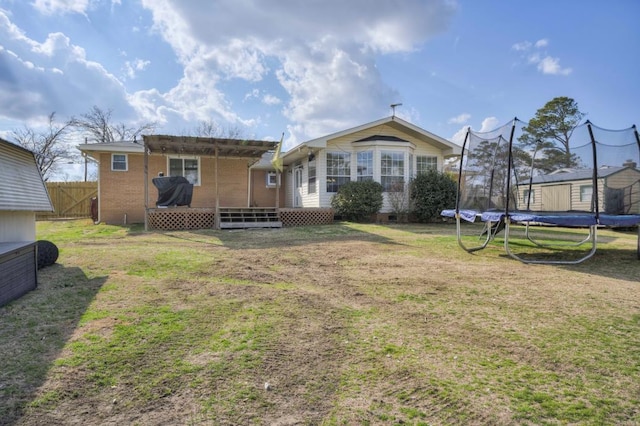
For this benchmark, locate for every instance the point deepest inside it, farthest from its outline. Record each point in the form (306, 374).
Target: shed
(22, 194)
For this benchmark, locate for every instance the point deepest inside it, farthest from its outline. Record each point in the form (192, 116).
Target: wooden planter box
(19, 266)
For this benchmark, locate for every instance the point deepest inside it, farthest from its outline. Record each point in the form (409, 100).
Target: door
(297, 187)
(556, 198)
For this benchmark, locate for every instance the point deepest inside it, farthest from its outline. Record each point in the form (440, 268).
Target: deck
(191, 218)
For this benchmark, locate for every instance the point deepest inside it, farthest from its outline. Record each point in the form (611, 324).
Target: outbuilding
(22, 194)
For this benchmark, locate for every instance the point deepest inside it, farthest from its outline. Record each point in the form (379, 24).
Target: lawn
(343, 324)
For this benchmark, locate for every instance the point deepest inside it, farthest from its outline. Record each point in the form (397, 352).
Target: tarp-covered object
(173, 191)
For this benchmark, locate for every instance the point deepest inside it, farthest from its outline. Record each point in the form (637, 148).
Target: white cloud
(322, 54)
(541, 43)
(522, 46)
(488, 124)
(324, 57)
(53, 7)
(131, 68)
(549, 65)
(271, 100)
(460, 119)
(538, 57)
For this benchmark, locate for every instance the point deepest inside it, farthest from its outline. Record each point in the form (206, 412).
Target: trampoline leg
(490, 236)
(527, 234)
(592, 237)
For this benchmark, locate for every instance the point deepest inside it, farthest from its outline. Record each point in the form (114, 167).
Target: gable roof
(581, 174)
(300, 150)
(21, 184)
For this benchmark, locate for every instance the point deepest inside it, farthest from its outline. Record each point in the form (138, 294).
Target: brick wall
(122, 193)
(261, 194)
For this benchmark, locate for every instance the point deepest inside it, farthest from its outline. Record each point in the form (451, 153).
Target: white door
(297, 187)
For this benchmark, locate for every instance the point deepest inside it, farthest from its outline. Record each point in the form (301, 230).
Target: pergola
(217, 148)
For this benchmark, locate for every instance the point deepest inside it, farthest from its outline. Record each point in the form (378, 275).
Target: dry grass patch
(348, 323)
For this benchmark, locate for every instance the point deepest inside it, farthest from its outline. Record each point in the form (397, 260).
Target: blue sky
(308, 68)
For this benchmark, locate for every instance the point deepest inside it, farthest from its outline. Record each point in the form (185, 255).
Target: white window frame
(271, 179)
(525, 196)
(396, 156)
(424, 163)
(185, 157)
(126, 162)
(346, 177)
(312, 177)
(584, 194)
(370, 164)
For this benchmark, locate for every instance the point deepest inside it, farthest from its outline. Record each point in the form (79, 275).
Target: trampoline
(587, 180)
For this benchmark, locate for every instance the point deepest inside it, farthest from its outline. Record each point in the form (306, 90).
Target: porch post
(277, 190)
(216, 218)
(146, 186)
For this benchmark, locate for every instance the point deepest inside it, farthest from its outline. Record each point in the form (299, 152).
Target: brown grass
(349, 324)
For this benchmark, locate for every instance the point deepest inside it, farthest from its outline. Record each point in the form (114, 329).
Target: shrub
(358, 200)
(432, 192)
(399, 200)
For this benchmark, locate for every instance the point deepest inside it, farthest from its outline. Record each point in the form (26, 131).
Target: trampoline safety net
(589, 176)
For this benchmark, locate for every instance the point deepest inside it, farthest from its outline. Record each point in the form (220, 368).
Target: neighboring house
(388, 151)
(22, 194)
(567, 190)
(125, 173)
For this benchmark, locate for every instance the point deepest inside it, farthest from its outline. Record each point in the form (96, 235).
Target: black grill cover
(173, 191)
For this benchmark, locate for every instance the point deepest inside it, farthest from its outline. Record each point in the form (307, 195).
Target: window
(187, 167)
(271, 179)
(586, 192)
(525, 198)
(312, 177)
(365, 165)
(392, 170)
(426, 162)
(338, 170)
(119, 162)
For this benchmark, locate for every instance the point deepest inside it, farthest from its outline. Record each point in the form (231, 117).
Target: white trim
(185, 157)
(126, 162)
(269, 182)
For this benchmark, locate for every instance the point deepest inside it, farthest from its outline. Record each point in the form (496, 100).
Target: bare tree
(98, 125)
(212, 129)
(49, 146)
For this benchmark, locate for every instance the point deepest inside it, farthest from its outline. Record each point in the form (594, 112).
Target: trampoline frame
(589, 220)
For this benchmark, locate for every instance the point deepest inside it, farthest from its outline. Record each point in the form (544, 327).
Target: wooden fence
(70, 199)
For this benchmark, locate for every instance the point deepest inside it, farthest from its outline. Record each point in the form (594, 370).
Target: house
(389, 151)
(235, 184)
(22, 194)
(618, 190)
(218, 168)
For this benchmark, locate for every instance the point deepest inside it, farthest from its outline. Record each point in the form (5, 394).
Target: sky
(308, 68)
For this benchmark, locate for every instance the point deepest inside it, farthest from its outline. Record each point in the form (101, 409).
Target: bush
(432, 192)
(357, 201)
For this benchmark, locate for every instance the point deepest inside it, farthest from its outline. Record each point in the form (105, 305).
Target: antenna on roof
(393, 109)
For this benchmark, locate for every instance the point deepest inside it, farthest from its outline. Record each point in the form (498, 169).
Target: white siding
(413, 146)
(17, 226)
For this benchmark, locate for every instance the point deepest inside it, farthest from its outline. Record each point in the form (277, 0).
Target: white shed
(22, 194)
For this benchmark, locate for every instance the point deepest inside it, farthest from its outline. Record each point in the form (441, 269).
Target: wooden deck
(190, 218)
